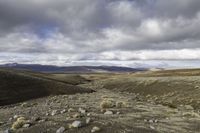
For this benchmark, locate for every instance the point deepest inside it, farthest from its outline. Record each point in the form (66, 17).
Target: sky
(153, 33)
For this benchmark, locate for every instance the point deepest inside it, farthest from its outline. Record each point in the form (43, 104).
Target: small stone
(40, 121)
(88, 114)
(7, 131)
(71, 110)
(156, 121)
(82, 111)
(118, 113)
(15, 116)
(108, 113)
(36, 118)
(151, 121)
(1, 123)
(26, 125)
(88, 120)
(63, 111)
(152, 127)
(189, 107)
(103, 110)
(72, 97)
(57, 101)
(95, 129)
(196, 87)
(60, 130)
(77, 115)
(70, 126)
(54, 112)
(24, 105)
(68, 118)
(77, 124)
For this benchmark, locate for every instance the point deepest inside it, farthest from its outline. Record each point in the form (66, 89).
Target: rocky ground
(103, 111)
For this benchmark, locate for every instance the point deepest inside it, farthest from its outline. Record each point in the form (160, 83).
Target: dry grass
(107, 103)
(121, 104)
(19, 123)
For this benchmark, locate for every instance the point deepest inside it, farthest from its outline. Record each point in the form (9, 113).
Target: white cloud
(151, 28)
(120, 30)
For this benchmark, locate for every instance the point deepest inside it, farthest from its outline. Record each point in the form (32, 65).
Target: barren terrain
(145, 102)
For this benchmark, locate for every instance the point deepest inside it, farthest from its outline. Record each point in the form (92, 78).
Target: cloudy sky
(100, 32)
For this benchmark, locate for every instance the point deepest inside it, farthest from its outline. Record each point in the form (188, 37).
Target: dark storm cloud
(101, 29)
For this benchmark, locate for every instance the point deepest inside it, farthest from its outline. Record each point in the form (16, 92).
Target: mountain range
(70, 69)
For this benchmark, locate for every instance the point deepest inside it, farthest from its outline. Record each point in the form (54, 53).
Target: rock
(152, 127)
(68, 118)
(57, 101)
(108, 113)
(151, 121)
(77, 124)
(71, 110)
(95, 129)
(118, 113)
(191, 114)
(189, 107)
(196, 87)
(7, 131)
(77, 115)
(43, 120)
(26, 125)
(60, 130)
(36, 118)
(70, 126)
(88, 114)
(1, 123)
(63, 111)
(82, 111)
(24, 105)
(54, 112)
(156, 121)
(88, 120)
(72, 97)
(15, 116)
(103, 110)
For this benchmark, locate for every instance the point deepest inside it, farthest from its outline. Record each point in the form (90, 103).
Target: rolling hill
(17, 86)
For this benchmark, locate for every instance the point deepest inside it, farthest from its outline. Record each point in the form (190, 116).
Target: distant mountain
(70, 69)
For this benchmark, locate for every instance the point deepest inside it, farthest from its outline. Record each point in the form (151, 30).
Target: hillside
(18, 86)
(168, 87)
